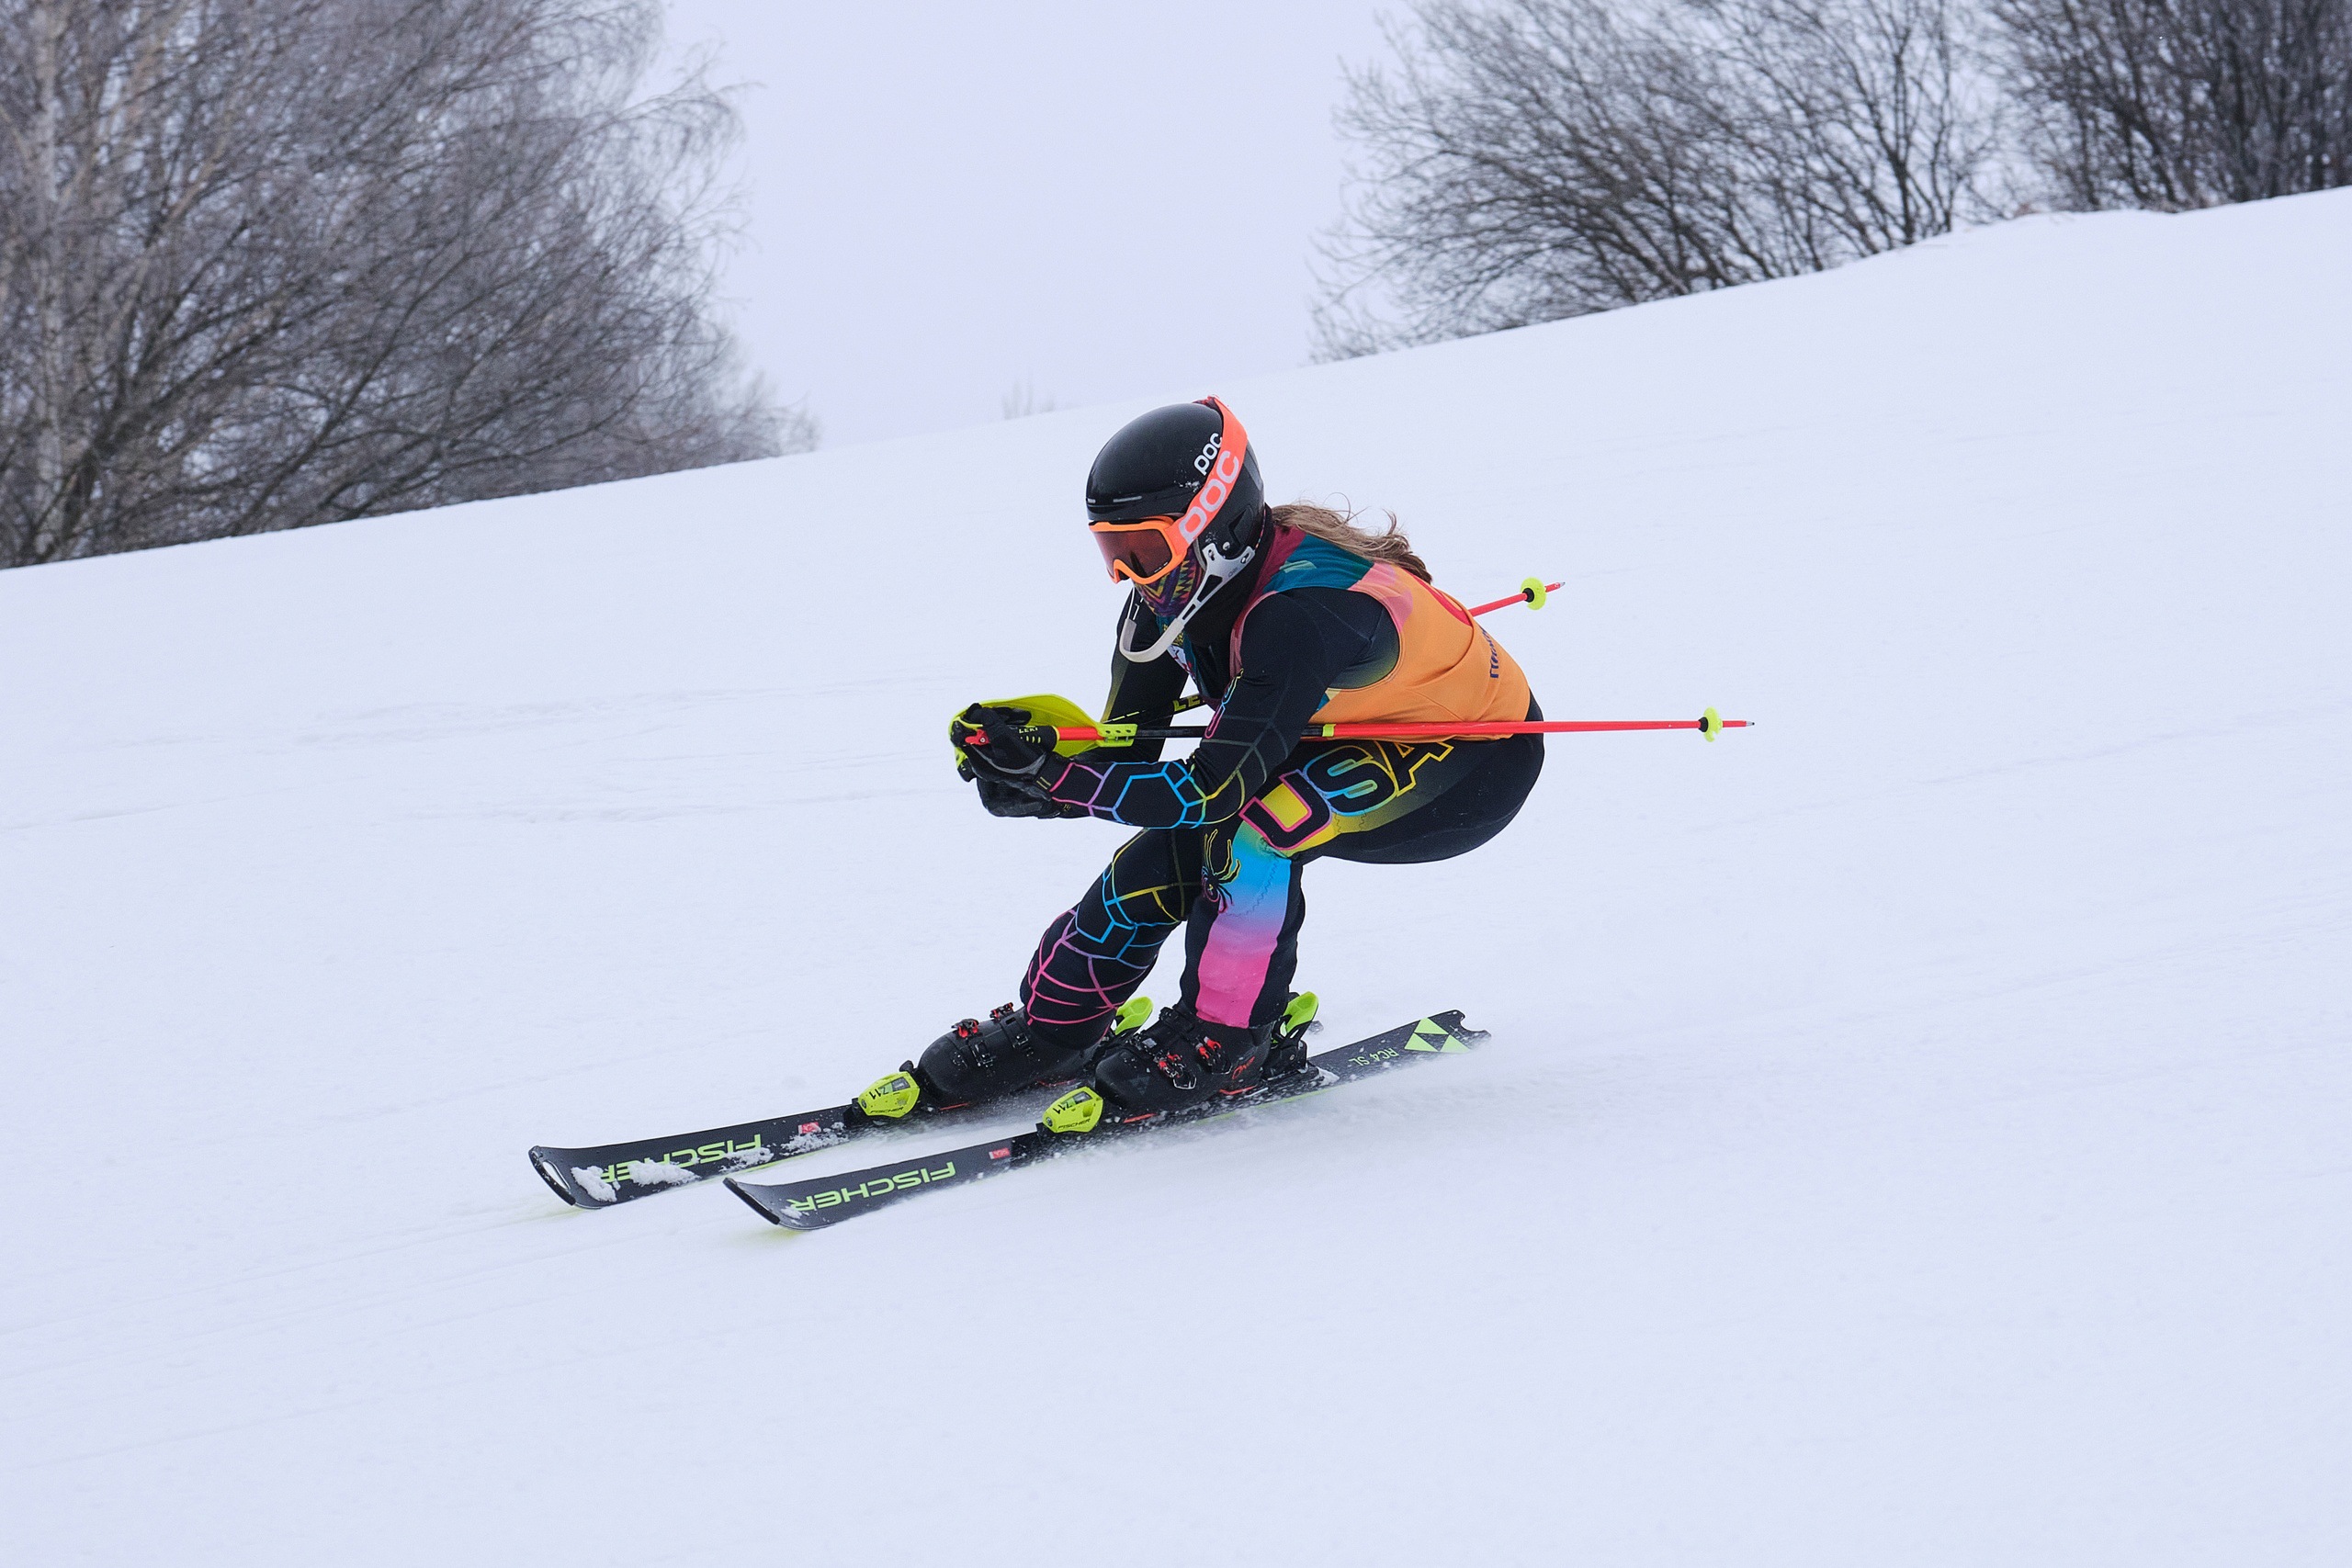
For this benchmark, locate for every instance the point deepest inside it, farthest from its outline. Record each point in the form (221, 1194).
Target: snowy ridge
(1914, 1129)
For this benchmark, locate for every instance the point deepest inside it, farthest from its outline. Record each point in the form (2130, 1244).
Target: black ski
(828, 1201)
(615, 1173)
(608, 1174)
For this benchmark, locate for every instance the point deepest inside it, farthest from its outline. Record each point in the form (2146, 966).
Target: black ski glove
(1012, 773)
(1013, 800)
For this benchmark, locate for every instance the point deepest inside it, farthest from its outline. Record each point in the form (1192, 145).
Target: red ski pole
(1532, 593)
(1709, 724)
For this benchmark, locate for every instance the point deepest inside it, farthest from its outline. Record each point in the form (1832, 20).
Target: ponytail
(1340, 528)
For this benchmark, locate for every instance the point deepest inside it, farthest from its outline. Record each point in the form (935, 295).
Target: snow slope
(1915, 1132)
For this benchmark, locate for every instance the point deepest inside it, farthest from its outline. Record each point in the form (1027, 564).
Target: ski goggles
(1141, 552)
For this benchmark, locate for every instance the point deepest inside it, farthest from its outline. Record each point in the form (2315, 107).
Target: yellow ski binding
(1080, 1110)
(887, 1098)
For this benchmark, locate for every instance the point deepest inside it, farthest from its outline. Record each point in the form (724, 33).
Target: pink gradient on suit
(1256, 900)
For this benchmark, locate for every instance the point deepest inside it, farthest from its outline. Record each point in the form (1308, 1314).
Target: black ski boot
(1183, 1061)
(983, 1059)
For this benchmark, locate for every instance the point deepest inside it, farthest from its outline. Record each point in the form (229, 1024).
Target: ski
(608, 1174)
(828, 1201)
(611, 1174)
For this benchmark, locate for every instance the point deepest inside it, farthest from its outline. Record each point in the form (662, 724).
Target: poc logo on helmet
(1208, 453)
(1211, 496)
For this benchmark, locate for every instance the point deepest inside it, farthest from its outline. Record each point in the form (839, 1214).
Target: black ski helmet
(1161, 465)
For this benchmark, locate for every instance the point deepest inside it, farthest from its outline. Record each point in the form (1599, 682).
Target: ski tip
(549, 1165)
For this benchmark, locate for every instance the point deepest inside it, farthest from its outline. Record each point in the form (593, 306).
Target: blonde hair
(1340, 528)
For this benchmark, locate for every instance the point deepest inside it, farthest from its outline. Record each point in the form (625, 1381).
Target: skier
(1282, 617)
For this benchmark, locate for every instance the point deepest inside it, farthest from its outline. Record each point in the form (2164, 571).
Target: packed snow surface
(1914, 1129)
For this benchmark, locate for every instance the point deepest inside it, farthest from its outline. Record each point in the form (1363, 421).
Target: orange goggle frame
(1142, 552)
(1147, 549)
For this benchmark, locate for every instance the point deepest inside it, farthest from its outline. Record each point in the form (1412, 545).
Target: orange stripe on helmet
(1220, 467)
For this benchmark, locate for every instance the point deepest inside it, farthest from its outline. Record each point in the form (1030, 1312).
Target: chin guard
(1217, 566)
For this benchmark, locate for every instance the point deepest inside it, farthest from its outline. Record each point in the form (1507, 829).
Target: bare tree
(1542, 158)
(264, 264)
(2178, 104)
(1864, 120)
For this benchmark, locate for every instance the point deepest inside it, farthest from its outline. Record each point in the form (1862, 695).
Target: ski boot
(983, 1059)
(1183, 1061)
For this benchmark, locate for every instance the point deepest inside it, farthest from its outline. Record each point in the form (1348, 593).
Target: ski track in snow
(1913, 1130)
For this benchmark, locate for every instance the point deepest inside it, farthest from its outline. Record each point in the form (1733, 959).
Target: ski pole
(1709, 724)
(1532, 593)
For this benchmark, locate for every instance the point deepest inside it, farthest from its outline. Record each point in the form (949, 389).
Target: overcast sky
(1095, 201)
